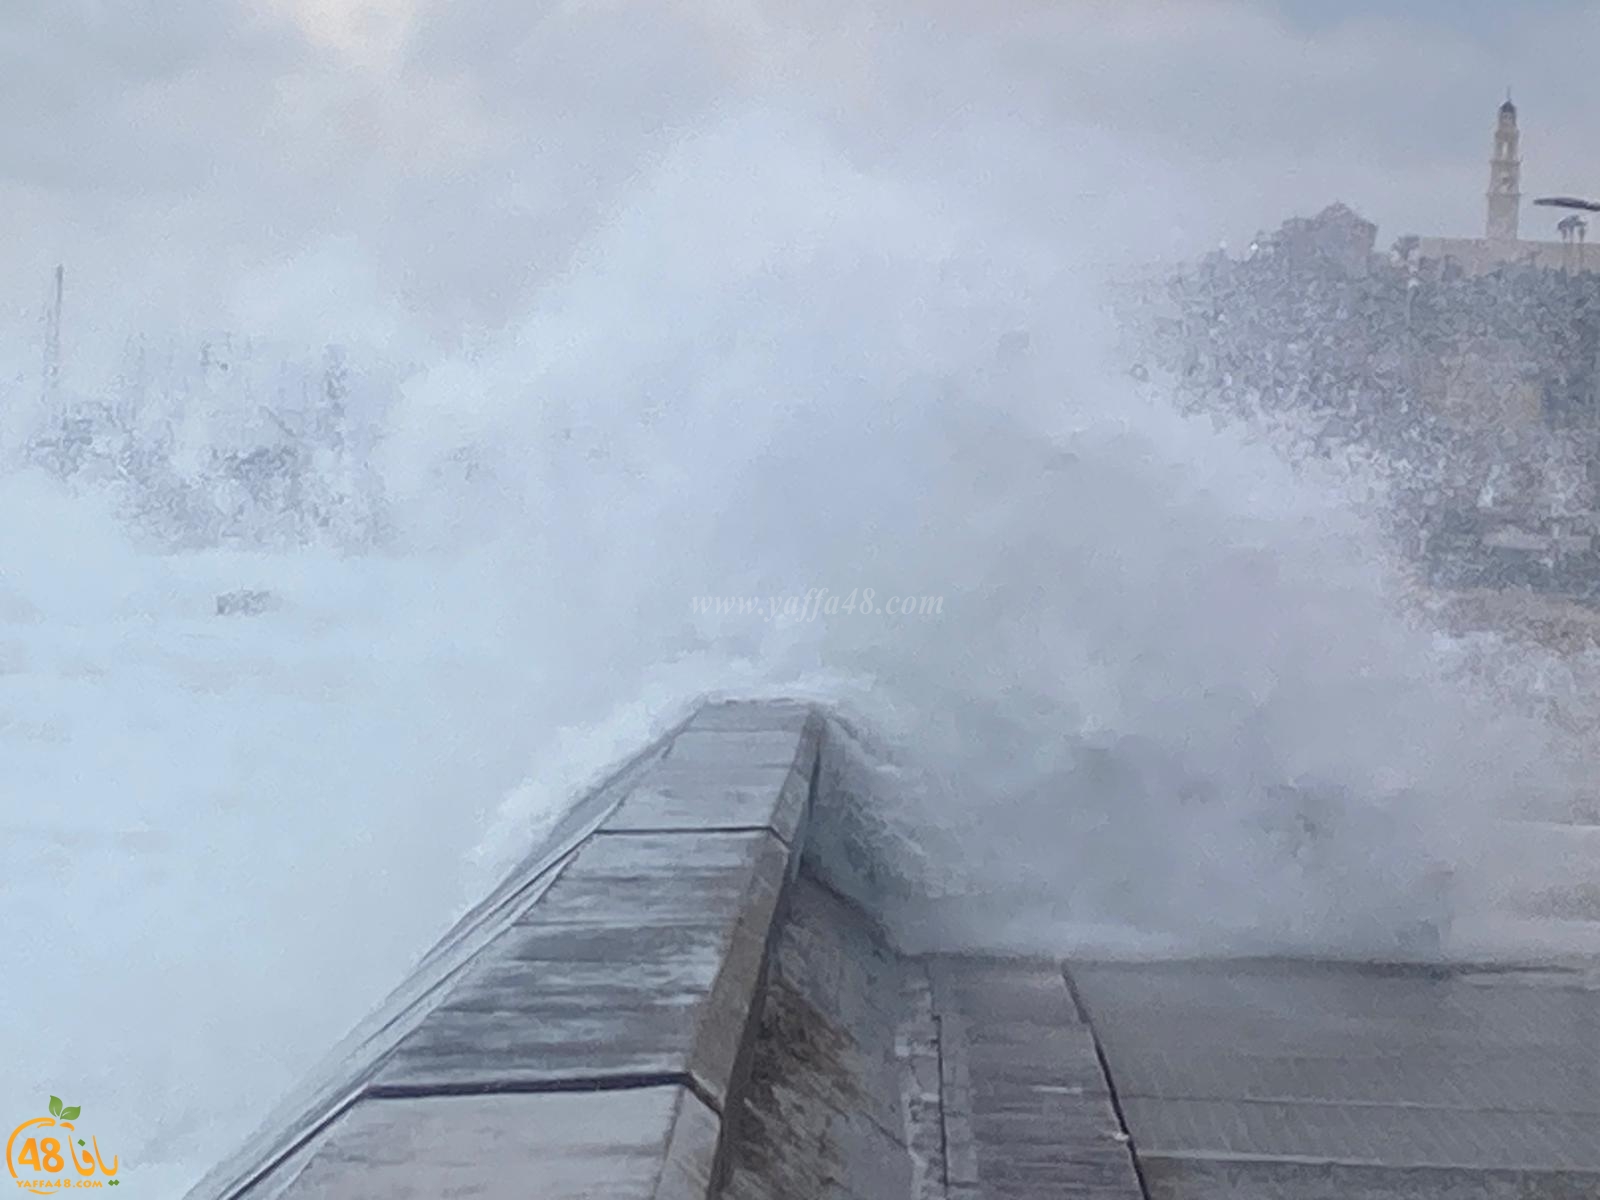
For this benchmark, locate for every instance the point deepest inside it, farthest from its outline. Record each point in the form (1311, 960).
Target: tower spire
(1505, 177)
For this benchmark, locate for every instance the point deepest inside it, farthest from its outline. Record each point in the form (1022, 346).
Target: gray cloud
(201, 160)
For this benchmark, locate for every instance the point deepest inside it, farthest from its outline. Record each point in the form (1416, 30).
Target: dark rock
(246, 602)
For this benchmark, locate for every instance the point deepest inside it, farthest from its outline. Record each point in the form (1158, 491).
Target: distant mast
(52, 338)
(1505, 177)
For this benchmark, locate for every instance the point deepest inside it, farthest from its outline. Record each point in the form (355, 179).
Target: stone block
(634, 1144)
(790, 715)
(728, 778)
(642, 960)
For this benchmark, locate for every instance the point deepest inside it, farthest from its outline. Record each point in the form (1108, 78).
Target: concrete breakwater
(664, 1001)
(667, 1000)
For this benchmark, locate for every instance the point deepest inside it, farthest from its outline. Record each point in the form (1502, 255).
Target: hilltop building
(1501, 243)
(1337, 239)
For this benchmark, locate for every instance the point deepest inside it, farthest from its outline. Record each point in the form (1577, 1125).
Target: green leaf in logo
(71, 1114)
(55, 1106)
(80, 1141)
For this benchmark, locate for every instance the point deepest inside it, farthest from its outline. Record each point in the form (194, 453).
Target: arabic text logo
(46, 1154)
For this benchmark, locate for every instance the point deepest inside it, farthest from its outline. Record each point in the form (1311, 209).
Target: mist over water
(829, 319)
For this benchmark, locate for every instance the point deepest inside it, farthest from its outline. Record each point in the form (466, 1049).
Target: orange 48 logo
(47, 1155)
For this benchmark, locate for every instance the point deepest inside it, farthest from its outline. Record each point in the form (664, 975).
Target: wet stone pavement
(973, 1078)
(1321, 1081)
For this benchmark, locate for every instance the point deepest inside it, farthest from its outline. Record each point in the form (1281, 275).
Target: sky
(413, 172)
